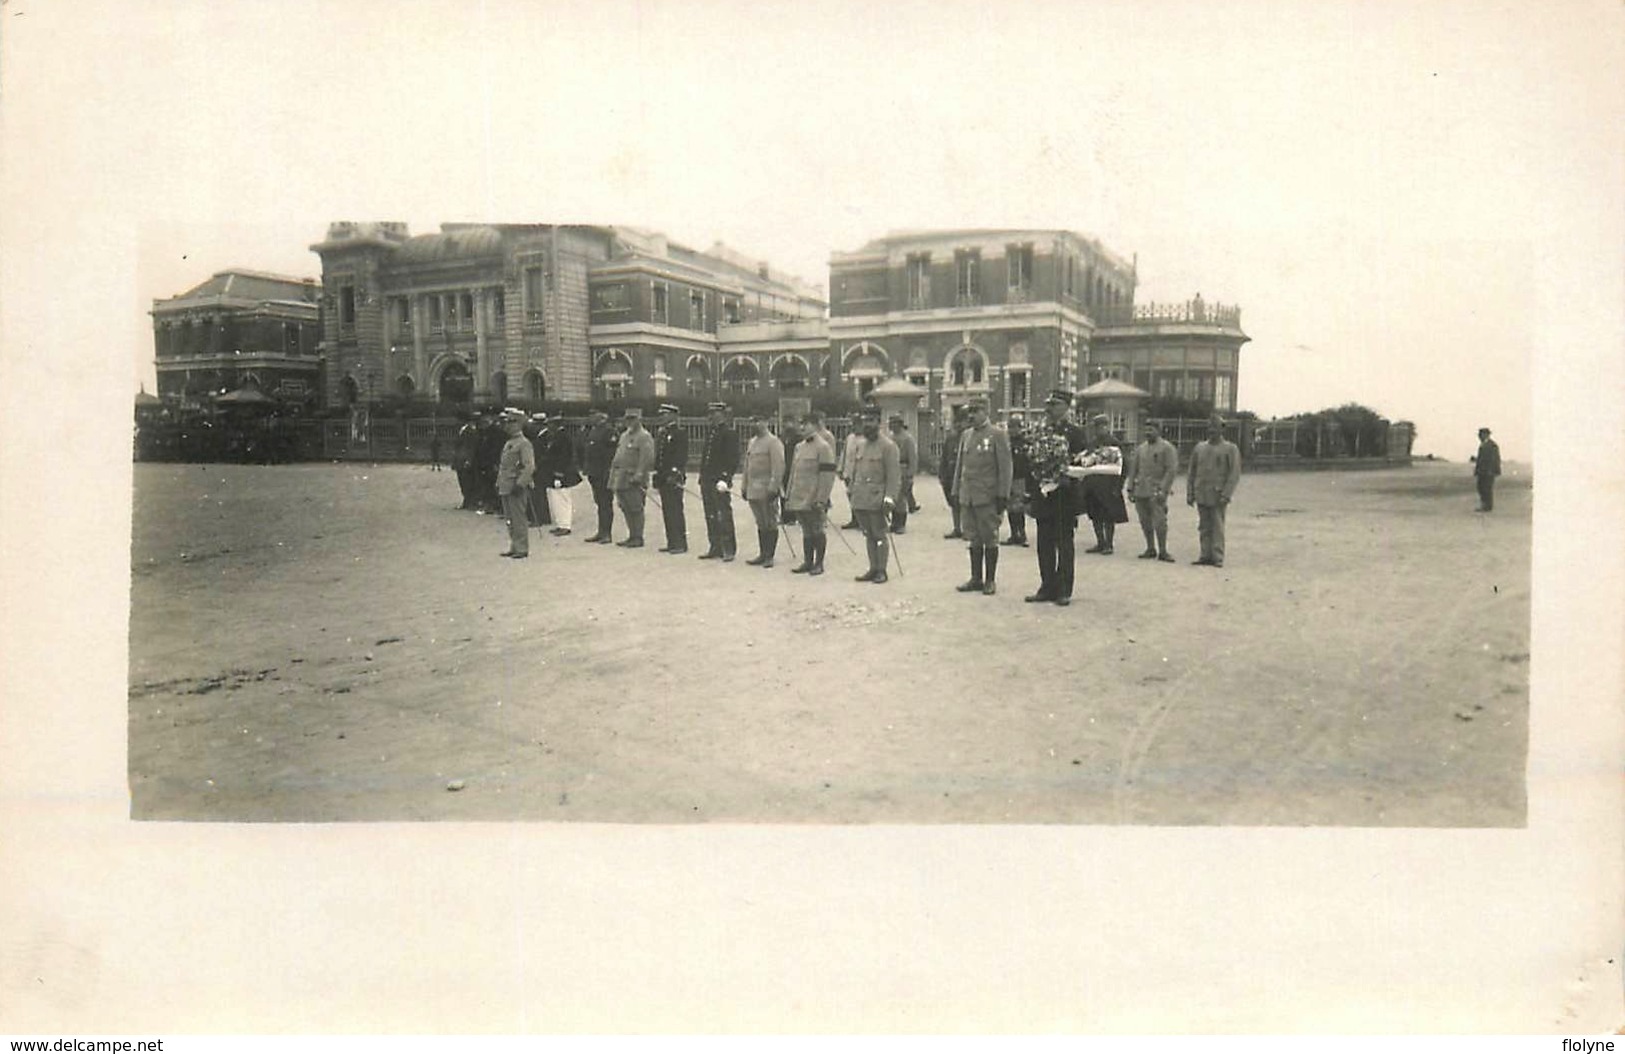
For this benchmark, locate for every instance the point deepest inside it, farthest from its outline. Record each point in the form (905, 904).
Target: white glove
(1048, 488)
(722, 486)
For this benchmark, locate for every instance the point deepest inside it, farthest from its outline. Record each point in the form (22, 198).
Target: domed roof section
(452, 243)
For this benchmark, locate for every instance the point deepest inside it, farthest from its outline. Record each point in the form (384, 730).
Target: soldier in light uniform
(1150, 480)
(947, 463)
(1209, 485)
(877, 476)
(982, 492)
(629, 475)
(908, 456)
(718, 463)
(843, 468)
(671, 468)
(812, 478)
(516, 467)
(762, 479)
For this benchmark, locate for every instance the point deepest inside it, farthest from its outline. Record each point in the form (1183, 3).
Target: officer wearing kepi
(982, 492)
(671, 466)
(877, 476)
(1052, 496)
(718, 463)
(629, 475)
(598, 452)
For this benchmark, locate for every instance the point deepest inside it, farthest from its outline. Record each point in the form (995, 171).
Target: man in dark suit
(557, 474)
(1486, 466)
(718, 463)
(598, 451)
(671, 468)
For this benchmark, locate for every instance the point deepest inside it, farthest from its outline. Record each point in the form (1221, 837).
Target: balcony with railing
(1195, 311)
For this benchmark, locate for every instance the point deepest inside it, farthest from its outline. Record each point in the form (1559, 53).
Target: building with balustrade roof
(1008, 314)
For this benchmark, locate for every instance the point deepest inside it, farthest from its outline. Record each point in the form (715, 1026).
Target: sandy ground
(336, 642)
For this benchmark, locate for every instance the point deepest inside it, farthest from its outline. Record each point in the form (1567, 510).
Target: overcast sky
(1382, 190)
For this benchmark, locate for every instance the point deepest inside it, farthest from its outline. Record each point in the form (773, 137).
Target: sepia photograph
(673, 483)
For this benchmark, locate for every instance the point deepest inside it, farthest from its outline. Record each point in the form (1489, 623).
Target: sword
(897, 556)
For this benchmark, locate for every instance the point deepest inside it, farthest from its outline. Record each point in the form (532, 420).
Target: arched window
(456, 383)
(499, 386)
(697, 376)
(405, 385)
(535, 386)
(612, 375)
(741, 376)
(967, 367)
(349, 390)
(790, 374)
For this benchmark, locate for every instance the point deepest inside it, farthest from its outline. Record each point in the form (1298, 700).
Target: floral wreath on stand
(1048, 455)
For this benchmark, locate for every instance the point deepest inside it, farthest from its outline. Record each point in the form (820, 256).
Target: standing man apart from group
(718, 463)
(629, 475)
(876, 477)
(763, 478)
(1211, 483)
(812, 478)
(1150, 481)
(1486, 466)
(516, 467)
(1053, 496)
(671, 470)
(982, 493)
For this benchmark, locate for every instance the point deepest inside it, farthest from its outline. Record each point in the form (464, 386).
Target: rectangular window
(657, 309)
(1019, 261)
(401, 308)
(919, 280)
(614, 390)
(290, 338)
(1018, 389)
(533, 293)
(696, 310)
(453, 321)
(1222, 396)
(730, 308)
(437, 318)
(609, 297)
(968, 285)
(346, 308)
(465, 305)
(499, 306)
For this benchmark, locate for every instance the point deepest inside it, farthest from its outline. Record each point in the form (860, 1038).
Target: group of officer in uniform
(1053, 470)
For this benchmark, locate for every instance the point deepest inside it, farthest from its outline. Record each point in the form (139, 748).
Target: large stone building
(540, 311)
(240, 329)
(1009, 314)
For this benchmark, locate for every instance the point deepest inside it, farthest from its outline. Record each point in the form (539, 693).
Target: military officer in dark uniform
(1052, 495)
(536, 509)
(671, 469)
(718, 463)
(464, 461)
(557, 474)
(492, 439)
(598, 451)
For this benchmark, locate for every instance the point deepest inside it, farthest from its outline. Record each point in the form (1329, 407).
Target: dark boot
(772, 550)
(991, 559)
(956, 532)
(1109, 533)
(761, 550)
(1100, 538)
(816, 555)
(975, 583)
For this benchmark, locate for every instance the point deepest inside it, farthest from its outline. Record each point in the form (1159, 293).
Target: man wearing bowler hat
(629, 475)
